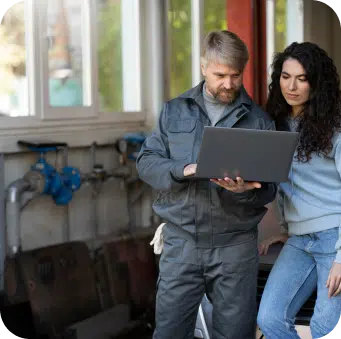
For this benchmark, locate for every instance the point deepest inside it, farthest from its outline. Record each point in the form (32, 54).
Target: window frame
(46, 118)
(294, 32)
(88, 50)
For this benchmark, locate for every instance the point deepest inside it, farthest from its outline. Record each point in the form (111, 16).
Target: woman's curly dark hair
(321, 115)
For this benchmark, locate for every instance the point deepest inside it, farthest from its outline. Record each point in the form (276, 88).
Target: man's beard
(225, 96)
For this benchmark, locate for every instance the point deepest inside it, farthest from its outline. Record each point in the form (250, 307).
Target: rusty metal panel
(118, 283)
(60, 285)
(101, 280)
(2, 222)
(14, 285)
(138, 256)
(112, 280)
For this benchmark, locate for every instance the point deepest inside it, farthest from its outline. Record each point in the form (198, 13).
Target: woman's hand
(265, 244)
(334, 280)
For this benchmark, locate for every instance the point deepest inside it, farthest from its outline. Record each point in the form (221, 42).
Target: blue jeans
(302, 266)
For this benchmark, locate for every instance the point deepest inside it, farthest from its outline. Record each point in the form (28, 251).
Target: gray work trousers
(228, 276)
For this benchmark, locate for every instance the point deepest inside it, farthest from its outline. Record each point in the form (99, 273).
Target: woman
(305, 97)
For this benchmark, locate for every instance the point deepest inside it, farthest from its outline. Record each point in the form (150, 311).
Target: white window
(188, 22)
(119, 55)
(284, 25)
(13, 63)
(66, 60)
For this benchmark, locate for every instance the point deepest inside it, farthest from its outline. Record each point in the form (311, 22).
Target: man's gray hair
(226, 48)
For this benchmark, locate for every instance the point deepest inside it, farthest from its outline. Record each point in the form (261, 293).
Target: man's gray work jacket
(200, 210)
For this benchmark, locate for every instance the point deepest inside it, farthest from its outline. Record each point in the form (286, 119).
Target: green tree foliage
(179, 28)
(110, 56)
(280, 25)
(12, 48)
(215, 15)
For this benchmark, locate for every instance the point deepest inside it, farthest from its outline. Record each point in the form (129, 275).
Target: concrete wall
(43, 221)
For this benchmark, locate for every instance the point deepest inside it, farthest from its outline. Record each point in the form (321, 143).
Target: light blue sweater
(310, 201)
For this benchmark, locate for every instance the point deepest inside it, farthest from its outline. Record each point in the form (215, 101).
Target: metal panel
(15, 289)
(60, 284)
(138, 255)
(2, 222)
(101, 326)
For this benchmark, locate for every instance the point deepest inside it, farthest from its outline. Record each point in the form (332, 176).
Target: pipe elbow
(16, 189)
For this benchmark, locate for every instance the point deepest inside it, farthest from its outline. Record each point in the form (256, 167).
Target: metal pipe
(95, 190)
(15, 204)
(13, 207)
(98, 177)
(27, 198)
(93, 155)
(66, 223)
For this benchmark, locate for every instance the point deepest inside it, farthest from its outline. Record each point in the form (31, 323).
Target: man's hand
(334, 280)
(265, 244)
(190, 170)
(238, 186)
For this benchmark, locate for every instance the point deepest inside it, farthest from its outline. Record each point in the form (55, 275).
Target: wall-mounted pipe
(66, 223)
(13, 207)
(99, 176)
(16, 200)
(24, 190)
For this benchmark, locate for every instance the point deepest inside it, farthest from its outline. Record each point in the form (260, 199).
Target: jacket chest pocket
(181, 136)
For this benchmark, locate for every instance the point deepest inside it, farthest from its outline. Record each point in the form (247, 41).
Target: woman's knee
(268, 318)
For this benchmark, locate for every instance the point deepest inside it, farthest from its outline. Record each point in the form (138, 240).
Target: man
(210, 236)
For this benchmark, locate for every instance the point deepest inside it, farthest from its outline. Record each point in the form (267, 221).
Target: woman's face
(294, 84)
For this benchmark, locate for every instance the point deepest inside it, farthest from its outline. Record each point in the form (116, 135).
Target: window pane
(294, 21)
(119, 55)
(13, 85)
(280, 25)
(110, 55)
(179, 33)
(215, 15)
(65, 29)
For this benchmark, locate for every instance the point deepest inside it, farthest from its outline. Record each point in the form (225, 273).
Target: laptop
(253, 155)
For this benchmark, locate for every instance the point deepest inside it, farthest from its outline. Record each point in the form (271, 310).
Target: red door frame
(247, 18)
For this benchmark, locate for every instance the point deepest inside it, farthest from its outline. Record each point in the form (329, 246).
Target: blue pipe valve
(59, 185)
(131, 144)
(70, 179)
